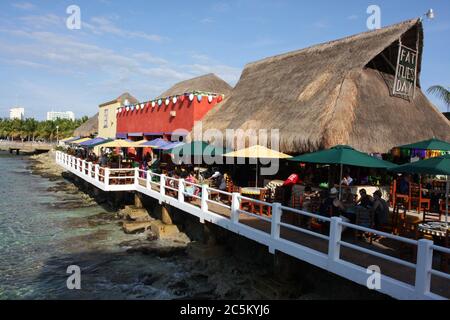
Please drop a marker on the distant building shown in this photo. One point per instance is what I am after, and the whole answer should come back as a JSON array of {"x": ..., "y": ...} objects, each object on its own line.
[
  {"x": 107, "y": 115},
  {"x": 53, "y": 115},
  {"x": 17, "y": 113}
]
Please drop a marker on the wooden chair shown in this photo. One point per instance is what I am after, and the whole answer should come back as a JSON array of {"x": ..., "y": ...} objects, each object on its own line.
[
  {"x": 246, "y": 204},
  {"x": 260, "y": 208}
]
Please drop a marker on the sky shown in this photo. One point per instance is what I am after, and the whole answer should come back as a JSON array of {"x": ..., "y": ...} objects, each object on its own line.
[{"x": 144, "y": 47}]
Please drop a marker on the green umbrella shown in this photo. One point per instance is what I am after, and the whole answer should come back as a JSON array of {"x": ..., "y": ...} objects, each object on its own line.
[
  {"x": 343, "y": 155},
  {"x": 197, "y": 148},
  {"x": 432, "y": 144},
  {"x": 433, "y": 166}
]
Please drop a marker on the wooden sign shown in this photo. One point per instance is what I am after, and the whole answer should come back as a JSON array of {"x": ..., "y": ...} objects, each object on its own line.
[{"x": 406, "y": 72}]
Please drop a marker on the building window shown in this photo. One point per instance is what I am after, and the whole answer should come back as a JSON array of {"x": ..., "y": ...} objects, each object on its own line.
[{"x": 105, "y": 118}]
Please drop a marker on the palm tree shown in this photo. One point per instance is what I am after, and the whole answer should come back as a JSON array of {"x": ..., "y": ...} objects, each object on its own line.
[{"x": 442, "y": 93}]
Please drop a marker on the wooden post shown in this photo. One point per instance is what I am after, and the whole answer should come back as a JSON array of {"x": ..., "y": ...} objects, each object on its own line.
[
  {"x": 181, "y": 190},
  {"x": 235, "y": 207},
  {"x": 334, "y": 248},
  {"x": 275, "y": 224},
  {"x": 423, "y": 267}
]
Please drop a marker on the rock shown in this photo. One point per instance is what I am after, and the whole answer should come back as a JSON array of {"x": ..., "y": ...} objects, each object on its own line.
[
  {"x": 135, "y": 214},
  {"x": 133, "y": 227},
  {"x": 164, "y": 231}
]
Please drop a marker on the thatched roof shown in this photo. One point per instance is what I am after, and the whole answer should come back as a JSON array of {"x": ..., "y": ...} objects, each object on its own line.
[
  {"x": 333, "y": 93},
  {"x": 121, "y": 99},
  {"x": 88, "y": 128},
  {"x": 206, "y": 83}
]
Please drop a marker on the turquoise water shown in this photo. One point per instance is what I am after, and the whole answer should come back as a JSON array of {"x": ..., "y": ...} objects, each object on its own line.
[{"x": 38, "y": 241}]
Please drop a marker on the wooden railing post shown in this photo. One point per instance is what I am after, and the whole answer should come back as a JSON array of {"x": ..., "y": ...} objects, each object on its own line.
[
  {"x": 205, "y": 196},
  {"x": 90, "y": 169},
  {"x": 162, "y": 185},
  {"x": 136, "y": 176},
  {"x": 149, "y": 179},
  {"x": 235, "y": 207},
  {"x": 106, "y": 177},
  {"x": 275, "y": 224},
  {"x": 423, "y": 267},
  {"x": 181, "y": 190},
  {"x": 334, "y": 248}
]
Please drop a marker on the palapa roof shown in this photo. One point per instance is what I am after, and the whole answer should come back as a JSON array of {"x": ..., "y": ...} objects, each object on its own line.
[
  {"x": 121, "y": 99},
  {"x": 332, "y": 94},
  {"x": 206, "y": 83},
  {"x": 88, "y": 128}
]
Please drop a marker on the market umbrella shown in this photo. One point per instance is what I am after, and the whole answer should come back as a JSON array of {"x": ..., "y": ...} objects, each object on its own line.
[
  {"x": 69, "y": 139},
  {"x": 119, "y": 143},
  {"x": 257, "y": 152},
  {"x": 343, "y": 155},
  {"x": 431, "y": 144},
  {"x": 432, "y": 166},
  {"x": 94, "y": 142},
  {"x": 80, "y": 140},
  {"x": 156, "y": 143},
  {"x": 196, "y": 148}
]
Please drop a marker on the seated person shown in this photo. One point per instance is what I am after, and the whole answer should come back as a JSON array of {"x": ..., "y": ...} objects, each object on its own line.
[
  {"x": 365, "y": 200},
  {"x": 380, "y": 209},
  {"x": 347, "y": 180},
  {"x": 348, "y": 198},
  {"x": 331, "y": 206}
]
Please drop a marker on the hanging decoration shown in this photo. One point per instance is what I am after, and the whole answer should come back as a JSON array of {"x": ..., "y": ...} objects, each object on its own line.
[
  {"x": 153, "y": 104},
  {"x": 174, "y": 100},
  {"x": 142, "y": 106},
  {"x": 182, "y": 97},
  {"x": 132, "y": 108},
  {"x": 191, "y": 97},
  {"x": 147, "y": 105},
  {"x": 128, "y": 109},
  {"x": 210, "y": 98},
  {"x": 159, "y": 102},
  {"x": 167, "y": 101},
  {"x": 219, "y": 98},
  {"x": 199, "y": 98}
]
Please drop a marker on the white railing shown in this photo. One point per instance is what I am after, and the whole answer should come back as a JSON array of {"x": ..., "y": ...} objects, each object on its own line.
[{"x": 173, "y": 192}]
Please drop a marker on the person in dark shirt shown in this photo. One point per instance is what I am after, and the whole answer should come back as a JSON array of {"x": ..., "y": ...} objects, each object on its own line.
[
  {"x": 330, "y": 207},
  {"x": 365, "y": 200}
]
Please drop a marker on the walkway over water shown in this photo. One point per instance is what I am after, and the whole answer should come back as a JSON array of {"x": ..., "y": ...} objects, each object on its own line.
[{"x": 407, "y": 268}]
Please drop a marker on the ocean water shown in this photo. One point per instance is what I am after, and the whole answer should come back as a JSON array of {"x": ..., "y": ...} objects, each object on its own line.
[{"x": 39, "y": 239}]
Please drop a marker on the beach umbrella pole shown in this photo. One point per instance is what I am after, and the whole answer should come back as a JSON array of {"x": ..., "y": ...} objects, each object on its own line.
[{"x": 446, "y": 199}]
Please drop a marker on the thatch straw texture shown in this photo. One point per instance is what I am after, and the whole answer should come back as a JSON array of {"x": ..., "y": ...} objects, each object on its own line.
[
  {"x": 333, "y": 93},
  {"x": 89, "y": 128},
  {"x": 206, "y": 83}
]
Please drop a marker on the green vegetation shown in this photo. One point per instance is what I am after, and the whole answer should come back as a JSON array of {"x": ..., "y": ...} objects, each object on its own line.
[
  {"x": 32, "y": 130},
  {"x": 442, "y": 93}
]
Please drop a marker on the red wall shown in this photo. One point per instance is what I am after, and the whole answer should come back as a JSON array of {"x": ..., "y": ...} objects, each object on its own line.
[{"x": 158, "y": 118}]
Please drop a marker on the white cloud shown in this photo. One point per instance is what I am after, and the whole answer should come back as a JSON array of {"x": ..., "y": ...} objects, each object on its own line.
[
  {"x": 207, "y": 20},
  {"x": 23, "y": 5},
  {"x": 43, "y": 21},
  {"x": 104, "y": 25}
]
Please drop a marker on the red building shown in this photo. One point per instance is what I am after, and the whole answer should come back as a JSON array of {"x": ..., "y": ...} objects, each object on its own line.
[{"x": 177, "y": 108}]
